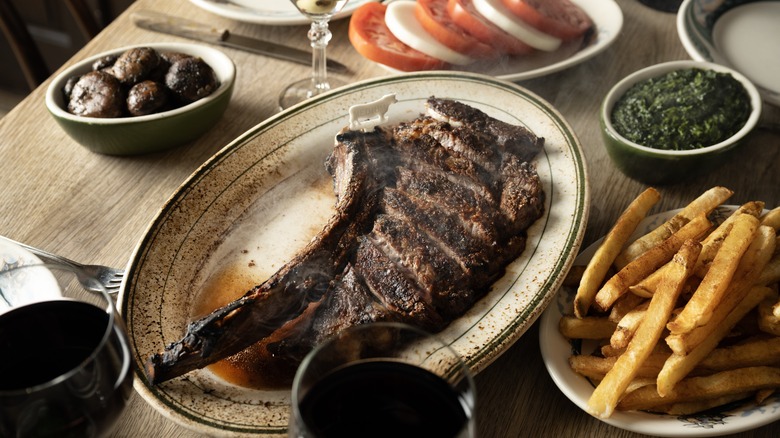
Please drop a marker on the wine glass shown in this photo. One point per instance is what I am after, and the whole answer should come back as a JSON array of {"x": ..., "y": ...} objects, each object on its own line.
[
  {"x": 319, "y": 12},
  {"x": 66, "y": 369},
  {"x": 382, "y": 380}
]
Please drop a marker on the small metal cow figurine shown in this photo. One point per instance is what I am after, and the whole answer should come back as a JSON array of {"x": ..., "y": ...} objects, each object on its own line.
[{"x": 368, "y": 115}]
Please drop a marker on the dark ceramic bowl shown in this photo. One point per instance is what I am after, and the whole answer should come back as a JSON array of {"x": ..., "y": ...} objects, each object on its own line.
[
  {"x": 657, "y": 166},
  {"x": 152, "y": 132}
]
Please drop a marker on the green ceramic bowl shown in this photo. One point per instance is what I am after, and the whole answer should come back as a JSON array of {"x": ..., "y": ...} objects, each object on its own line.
[
  {"x": 657, "y": 166},
  {"x": 153, "y": 132}
]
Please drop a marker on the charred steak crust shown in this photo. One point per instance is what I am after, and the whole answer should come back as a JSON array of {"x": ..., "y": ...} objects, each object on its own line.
[{"x": 429, "y": 213}]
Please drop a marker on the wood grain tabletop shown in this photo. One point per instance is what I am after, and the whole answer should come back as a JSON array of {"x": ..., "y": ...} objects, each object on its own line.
[{"x": 57, "y": 195}]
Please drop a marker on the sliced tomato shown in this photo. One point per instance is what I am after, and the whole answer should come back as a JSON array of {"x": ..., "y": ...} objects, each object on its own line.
[
  {"x": 466, "y": 16},
  {"x": 560, "y": 18},
  {"x": 401, "y": 21},
  {"x": 370, "y": 36},
  {"x": 434, "y": 18}
]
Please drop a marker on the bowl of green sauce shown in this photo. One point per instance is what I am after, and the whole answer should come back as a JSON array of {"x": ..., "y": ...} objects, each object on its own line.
[{"x": 673, "y": 121}]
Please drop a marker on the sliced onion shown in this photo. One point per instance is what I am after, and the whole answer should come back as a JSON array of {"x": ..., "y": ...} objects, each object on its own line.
[
  {"x": 498, "y": 14},
  {"x": 401, "y": 21}
]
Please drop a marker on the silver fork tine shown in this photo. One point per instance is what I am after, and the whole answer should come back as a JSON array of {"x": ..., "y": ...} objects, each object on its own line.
[{"x": 110, "y": 278}]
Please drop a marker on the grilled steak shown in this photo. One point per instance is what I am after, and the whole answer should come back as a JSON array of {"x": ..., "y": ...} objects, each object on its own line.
[{"x": 428, "y": 215}]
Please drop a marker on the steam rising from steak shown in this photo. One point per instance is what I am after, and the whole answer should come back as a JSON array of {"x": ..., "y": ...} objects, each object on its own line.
[{"x": 428, "y": 215}]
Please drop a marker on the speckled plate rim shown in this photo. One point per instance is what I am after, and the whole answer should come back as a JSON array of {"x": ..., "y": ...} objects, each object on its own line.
[
  {"x": 190, "y": 224},
  {"x": 285, "y": 15},
  {"x": 556, "y": 351}
]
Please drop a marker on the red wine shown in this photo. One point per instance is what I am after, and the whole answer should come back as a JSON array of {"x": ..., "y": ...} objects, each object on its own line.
[
  {"x": 62, "y": 345},
  {"x": 383, "y": 399}
]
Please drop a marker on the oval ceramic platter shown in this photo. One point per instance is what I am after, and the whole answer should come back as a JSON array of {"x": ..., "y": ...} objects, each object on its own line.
[
  {"x": 556, "y": 350},
  {"x": 267, "y": 12},
  {"x": 742, "y": 34},
  {"x": 608, "y": 21},
  {"x": 246, "y": 211}
]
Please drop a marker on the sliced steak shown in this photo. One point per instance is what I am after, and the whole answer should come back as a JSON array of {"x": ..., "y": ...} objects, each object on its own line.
[
  {"x": 434, "y": 270},
  {"x": 428, "y": 215},
  {"x": 395, "y": 287}
]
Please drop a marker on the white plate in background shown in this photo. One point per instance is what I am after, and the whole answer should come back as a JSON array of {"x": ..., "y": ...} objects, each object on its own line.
[
  {"x": 268, "y": 12},
  {"x": 741, "y": 34}
]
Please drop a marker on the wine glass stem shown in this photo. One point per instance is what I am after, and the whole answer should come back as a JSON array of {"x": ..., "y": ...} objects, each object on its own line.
[{"x": 319, "y": 35}]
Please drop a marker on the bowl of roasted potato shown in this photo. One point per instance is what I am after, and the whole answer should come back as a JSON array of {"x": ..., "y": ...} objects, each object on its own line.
[
  {"x": 672, "y": 121},
  {"x": 670, "y": 324},
  {"x": 142, "y": 99}
]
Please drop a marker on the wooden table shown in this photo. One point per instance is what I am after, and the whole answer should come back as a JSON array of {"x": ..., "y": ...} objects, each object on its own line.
[{"x": 94, "y": 208}]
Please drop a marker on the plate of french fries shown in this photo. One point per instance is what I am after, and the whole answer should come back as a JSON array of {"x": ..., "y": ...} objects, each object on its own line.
[{"x": 670, "y": 324}]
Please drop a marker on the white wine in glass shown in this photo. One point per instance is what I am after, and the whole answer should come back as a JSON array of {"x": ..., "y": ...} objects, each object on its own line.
[{"x": 320, "y": 13}]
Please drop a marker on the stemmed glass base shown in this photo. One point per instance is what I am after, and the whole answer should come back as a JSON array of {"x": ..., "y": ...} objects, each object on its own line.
[
  {"x": 318, "y": 82},
  {"x": 305, "y": 89}
]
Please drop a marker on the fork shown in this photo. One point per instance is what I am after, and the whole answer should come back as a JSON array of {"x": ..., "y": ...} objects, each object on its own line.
[{"x": 110, "y": 278}]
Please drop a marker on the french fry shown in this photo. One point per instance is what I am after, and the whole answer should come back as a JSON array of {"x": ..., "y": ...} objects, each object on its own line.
[
  {"x": 595, "y": 367},
  {"x": 710, "y": 246},
  {"x": 627, "y": 326},
  {"x": 763, "y": 394},
  {"x": 776, "y": 310},
  {"x": 613, "y": 243},
  {"x": 700, "y": 306},
  {"x": 623, "y": 305},
  {"x": 678, "y": 366},
  {"x": 741, "y": 380},
  {"x": 767, "y": 321},
  {"x": 590, "y": 327},
  {"x": 692, "y": 407},
  {"x": 639, "y": 382},
  {"x": 753, "y": 261},
  {"x": 712, "y": 243},
  {"x": 649, "y": 261},
  {"x": 771, "y": 272},
  {"x": 772, "y": 218},
  {"x": 608, "y": 350},
  {"x": 754, "y": 352},
  {"x": 606, "y": 395},
  {"x": 705, "y": 203}
]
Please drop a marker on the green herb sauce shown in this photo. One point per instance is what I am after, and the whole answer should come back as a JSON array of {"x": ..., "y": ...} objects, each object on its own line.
[{"x": 682, "y": 110}]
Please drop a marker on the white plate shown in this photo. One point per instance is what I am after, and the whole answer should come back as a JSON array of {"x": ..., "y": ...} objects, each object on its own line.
[
  {"x": 556, "y": 351},
  {"x": 266, "y": 194},
  {"x": 608, "y": 19},
  {"x": 25, "y": 286},
  {"x": 741, "y": 34},
  {"x": 269, "y": 12}
]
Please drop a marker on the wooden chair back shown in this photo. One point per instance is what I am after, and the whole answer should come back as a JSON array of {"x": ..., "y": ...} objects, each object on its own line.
[{"x": 23, "y": 45}]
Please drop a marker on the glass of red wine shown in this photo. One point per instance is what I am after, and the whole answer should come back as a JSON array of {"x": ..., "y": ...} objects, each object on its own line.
[
  {"x": 382, "y": 380},
  {"x": 66, "y": 369},
  {"x": 320, "y": 13}
]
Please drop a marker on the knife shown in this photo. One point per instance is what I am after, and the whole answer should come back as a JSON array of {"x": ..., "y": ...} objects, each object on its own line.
[{"x": 203, "y": 32}]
